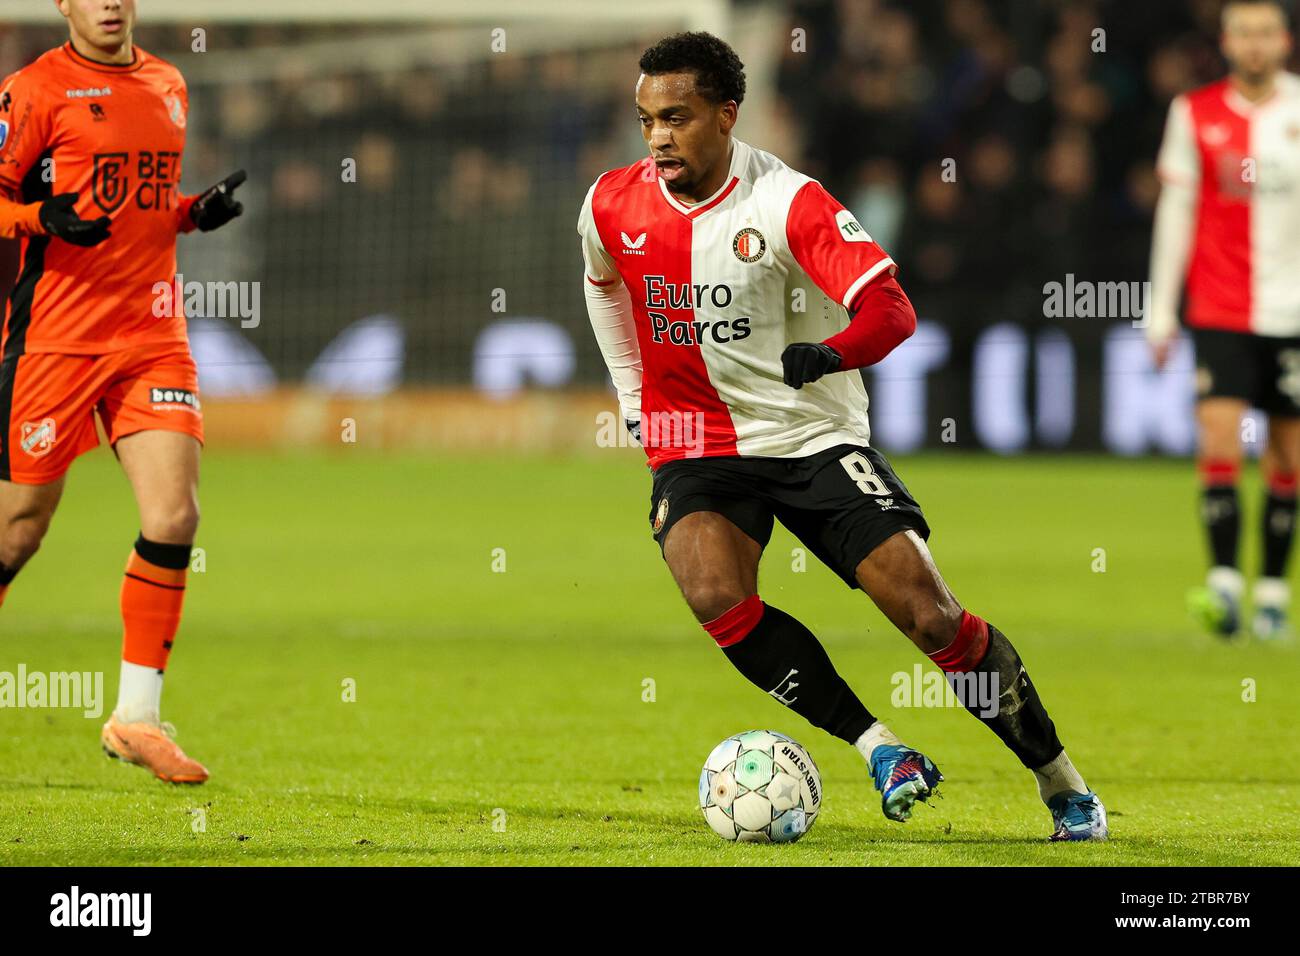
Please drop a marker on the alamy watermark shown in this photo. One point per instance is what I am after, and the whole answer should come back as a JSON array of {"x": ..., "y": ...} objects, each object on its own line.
[
  {"x": 973, "y": 690},
  {"x": 133, "y": 911},
  {"x": 76, "y": 689},
  {"x": 683, "y": 430},
  {"x": 213, "y": 300},
  {"x": 1083, "y": 299}
]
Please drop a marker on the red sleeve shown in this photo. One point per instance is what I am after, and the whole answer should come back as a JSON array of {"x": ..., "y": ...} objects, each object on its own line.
[
  {"x": 183, "y": 221},
  {"x": 883, "y": 318},
  {"x": 831, "y": 246},
  {"x": 24, "y": 131}
]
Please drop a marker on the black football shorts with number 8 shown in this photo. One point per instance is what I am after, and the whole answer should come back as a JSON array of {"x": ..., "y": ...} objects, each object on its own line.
[{"x": 840, "y": 503}]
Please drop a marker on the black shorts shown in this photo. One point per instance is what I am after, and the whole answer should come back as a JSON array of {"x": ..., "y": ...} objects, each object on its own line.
[
  {"x": 1259, "y": 369},
  {"x": 841, "y": 503}
]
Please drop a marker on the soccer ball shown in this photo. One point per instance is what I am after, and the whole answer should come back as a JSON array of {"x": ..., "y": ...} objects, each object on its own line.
[{"x": 760, "y": 787}]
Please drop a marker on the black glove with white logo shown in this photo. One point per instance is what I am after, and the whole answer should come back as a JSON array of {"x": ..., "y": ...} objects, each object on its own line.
[
  {"x": 217, "y": 206},
  {"x": 805, "y": 362},
  {"x": 634, "y": 429},
  {"x": 61, "y": 220}
]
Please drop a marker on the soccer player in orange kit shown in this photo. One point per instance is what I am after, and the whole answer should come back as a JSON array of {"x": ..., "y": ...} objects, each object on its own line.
[{"x": 91, "y": 136}]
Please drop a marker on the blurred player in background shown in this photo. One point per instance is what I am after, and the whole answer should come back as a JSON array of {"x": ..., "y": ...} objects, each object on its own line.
[
  {"x": 717, "y": 282},
  {"x": 1228, "y": 226},
  {"x": 91, "y": 136}
]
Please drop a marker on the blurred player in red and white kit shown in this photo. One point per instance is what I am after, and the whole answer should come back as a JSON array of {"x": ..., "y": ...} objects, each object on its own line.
[
  {"x": 733, "y": 298},
  {"x": 91, "y": 136},
  {"x": 1227, "y": 228}
]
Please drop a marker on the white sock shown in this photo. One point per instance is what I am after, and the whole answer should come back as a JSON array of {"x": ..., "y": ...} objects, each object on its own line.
[
  {"x": 1227, "y": 580},
  {"x": 139, "y": 694},
  {"x": 1272, "y": 593},
  {"x": 1058, "y": 776},
  {"x": 873, "y": 737}
]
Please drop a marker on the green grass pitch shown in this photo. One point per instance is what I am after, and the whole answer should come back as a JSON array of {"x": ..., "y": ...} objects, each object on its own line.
[{"x": 499, "y": 716}]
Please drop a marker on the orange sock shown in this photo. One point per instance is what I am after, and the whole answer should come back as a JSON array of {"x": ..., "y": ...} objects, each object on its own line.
[
  {"x": 152, "y": 594},
  {"x": 4, "y": 589}
]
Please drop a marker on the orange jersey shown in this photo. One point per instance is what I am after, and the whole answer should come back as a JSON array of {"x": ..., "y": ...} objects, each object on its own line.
[{"x": 113, "y": 134}]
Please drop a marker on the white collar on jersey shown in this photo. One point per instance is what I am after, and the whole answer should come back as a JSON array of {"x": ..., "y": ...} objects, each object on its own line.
[
  {"x": 1284, "y": 84},
  {"x": 738, "y": 150}
]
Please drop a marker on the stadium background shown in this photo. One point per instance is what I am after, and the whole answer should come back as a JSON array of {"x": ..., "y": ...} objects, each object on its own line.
[
  {"x": 451, "y": 262},
  {"x": 478, "y": 568}
]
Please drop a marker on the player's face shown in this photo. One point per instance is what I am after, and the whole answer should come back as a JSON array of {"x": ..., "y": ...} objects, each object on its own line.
[
  {"x": 103, "y": 24},
  {"x": 687, "y": 134},
  {"x": 1255, "y": 42}
]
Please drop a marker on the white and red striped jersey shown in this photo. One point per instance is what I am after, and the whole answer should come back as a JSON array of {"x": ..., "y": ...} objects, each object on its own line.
[
  {"x": 1241, "y": 162},
  {"x": 716, "y": 291}
]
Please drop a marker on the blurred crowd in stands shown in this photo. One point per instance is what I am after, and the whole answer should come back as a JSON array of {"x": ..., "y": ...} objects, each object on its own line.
[{"x": 990, "y": 147}]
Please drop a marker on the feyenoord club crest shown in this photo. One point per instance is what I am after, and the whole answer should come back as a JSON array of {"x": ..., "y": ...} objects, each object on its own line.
[
  {"x": 175, "y": 110},
  {"x": 749, "y": 245},
  {"x": 38, "y": 437},
  {"x": 661, "y": 515}
]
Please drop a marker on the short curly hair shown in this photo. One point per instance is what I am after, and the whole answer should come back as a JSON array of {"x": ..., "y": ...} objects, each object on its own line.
[{"x": 719, "y": 74}]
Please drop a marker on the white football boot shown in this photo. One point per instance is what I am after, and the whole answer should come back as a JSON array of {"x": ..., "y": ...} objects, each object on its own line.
[{"x": 1272, "y": 600}]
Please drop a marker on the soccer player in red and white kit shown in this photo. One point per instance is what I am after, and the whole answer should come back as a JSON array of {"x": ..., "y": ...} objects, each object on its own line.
[
  {"x": 91, "y": 136},
  {"x": 1227, "y": 228},
  {"x": 732, "y": 298}
]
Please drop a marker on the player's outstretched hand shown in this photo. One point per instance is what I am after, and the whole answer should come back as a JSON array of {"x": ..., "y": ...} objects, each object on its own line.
[
  {"x": 217, "y": 206},
  {"x": 61, "y": 220},
  {"x": 1160, "y": 352},
  {"x": 805, "y": 362}
]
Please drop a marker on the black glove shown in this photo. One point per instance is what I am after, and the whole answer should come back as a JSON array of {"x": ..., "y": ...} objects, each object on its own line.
[
  {"x": 805, "y": 362},
  {"x": 61, "y": 220},
  {"x": 217, "y": 206},
  {"x": 634, "y": 429}
]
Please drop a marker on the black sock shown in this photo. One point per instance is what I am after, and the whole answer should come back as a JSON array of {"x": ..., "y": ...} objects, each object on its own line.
[
  {"x": 1021, "y": 721},
  {"x": 7, "y": 575},
  {"x": 783, "y": 658},
  {"x": 1222, "y": 520},
  {"x": 173, "y": 556},
  {"x": 1279, "y": 528},
  {"x": 998, "y": 691}
]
